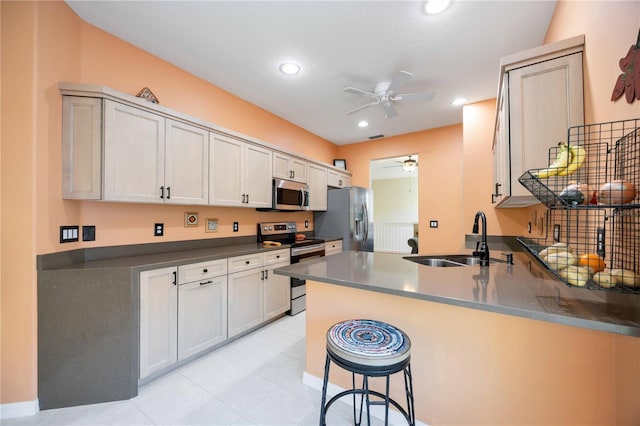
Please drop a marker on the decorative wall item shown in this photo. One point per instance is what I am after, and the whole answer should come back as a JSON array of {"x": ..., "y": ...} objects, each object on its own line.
[
  {"x": 191, "y": 219},
  {"x": 212, "y": 225},
  {"x": 146, "y": 94},
  {"x": 340, "y": 163},
  {"x": 629, "y": 81}
]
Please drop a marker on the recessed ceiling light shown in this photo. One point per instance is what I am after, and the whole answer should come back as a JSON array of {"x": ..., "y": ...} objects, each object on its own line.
[
  {"x": 459, "y": 101},
  {"x": 289, "y": 68},
  {"x": 362, "y": 123},
  {"x": 433, "y": 7}
]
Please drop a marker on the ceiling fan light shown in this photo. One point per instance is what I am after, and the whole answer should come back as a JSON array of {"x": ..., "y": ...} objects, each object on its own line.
[
  {"x": 433, "y": 7},
  {"x": 409, "y": 165}
]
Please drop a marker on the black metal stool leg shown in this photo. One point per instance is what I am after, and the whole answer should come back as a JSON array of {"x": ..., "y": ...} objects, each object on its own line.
[
  {"x": 323, "y": 413},
  {"x": 408, "y": 389}
]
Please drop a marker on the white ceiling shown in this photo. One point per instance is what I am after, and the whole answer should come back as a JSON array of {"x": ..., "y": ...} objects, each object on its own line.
[{"x": 238, "y": 46}]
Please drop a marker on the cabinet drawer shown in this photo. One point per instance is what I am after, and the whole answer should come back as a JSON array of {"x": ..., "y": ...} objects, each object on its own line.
[
  {"x": 243, "y": 263},
  {"x": 201, "y": 271},
  {"x": 276, "y": 256},
  {"x": 332, "y": 247}
]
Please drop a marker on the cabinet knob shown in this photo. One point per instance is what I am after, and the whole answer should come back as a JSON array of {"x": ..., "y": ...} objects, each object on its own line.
[
  {"x": 205, "y": 270},
  {"x": 247, "y": 262}
]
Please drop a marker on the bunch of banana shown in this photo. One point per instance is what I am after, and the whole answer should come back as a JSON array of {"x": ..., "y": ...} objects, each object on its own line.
[{"x": 568, "y": 160}]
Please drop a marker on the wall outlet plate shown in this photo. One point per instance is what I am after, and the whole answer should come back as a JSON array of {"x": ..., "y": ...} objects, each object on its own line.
[
  {"x": 433, "y": 224},
  {"x": 158, "y": 230},
  {"x": 236, "y": 227}
]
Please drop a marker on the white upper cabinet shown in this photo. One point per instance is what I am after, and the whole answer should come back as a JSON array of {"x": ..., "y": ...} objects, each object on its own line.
[
  {"x": 317, "y": 187},
  {"x": 336, "y": 179},
  {"x": 289, "y": 168},
  {"x": 186, "y": 164},
  {"x": 240, "y": 173},
  {"x": 541, "y": 96}
]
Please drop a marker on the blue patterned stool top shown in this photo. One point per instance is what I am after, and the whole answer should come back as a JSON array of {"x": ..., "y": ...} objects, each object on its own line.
[{"x": 368, "y": 342}]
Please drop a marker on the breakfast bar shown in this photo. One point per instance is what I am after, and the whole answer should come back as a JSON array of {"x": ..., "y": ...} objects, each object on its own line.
[{"x": 501, "y": 344}]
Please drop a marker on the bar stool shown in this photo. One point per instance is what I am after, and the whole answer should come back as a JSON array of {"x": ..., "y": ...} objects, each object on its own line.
[{"x": 372, "y": 349}]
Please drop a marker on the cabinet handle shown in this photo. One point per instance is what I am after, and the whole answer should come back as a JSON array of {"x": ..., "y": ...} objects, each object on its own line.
[
  {"x": 205, "y": 270},
  {"x": 246, "y": 262},
  {"x": 266, "y": 274},
  {"x": 278, "y": 256},
  {"x": 175, "y": 275},
  {"x": 262, "y": 275},
  {"x": 168, "y": 192},
  {"x": 496, "y": 194},
  {"x": 340, "y": 182},
  {"x": 206, "y": 282},
  {"x": 247, "y": 198},
  {"x": 162, "y": 192}
]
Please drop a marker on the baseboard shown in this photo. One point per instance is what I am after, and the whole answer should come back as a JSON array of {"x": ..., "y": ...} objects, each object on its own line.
[
  {"x": 395, "y": 417},
  {"x": 19, "y": 409}
]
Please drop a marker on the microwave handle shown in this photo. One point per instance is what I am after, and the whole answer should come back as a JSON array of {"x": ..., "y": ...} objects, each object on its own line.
[{"x": 301, "y": 198}]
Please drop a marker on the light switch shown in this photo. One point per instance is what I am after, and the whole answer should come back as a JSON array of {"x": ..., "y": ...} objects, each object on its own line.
[{"x": 69, "y": 233}]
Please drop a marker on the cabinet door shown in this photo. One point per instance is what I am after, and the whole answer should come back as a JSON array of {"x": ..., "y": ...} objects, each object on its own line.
[
  {"x": 277, "y": 292},
  {"x": 257, "y": 176},
  {"x": 81, "y": 148},
  {"x": 281, "y": 167},
  {"x": 545, "y": 99},
  {"x": 202, "y": 315},
  {"x": 158, "y": 320},
  {"x": 501, "y": 182},
  {"x": 226, "y": 171},
  {"x": 332, "y": 247},
  {"x": 187, "y": 164},
  {"x": 299, "y": 169},
  {"x": 338, "y": 180},
  {"x": 245, "y": 300},
  {"x": 317, "y": 187},
  {"x": 133, "y": 154}
]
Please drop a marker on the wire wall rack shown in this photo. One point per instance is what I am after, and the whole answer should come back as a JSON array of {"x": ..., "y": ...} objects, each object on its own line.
[{"x": 593, "y": 211}]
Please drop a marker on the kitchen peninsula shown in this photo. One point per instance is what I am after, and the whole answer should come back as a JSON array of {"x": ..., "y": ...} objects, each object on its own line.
[{"x": 503, "y": 344}]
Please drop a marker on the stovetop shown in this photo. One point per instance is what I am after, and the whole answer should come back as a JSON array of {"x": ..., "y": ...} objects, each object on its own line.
[{"x": 285, "y": 233}]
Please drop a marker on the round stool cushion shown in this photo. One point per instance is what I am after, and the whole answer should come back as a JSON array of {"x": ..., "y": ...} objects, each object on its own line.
[{"x": 368, "y": 342}]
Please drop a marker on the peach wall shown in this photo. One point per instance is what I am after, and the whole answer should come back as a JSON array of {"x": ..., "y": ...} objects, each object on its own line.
[
  {"x": 18, "y": 350},
  {"x": 473, "y": 367},
  {"x": 439, "y": 180}
]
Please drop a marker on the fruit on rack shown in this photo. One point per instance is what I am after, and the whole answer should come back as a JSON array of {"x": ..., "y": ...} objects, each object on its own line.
[
  {"x": 617, "y": 192},
  {"x": 578, "y": 191},
  {"x": 626, "y": 277},
  {"x": 576, "y": 275},
  {"x": 592, "y": 260},
  {"x": 555, "y": 248},
  {"x": 560, "y": 260},
  {"x": 605, "y": 279},
  {"x": 577, "y": 155},
  {"x": 561, "y": 162}
]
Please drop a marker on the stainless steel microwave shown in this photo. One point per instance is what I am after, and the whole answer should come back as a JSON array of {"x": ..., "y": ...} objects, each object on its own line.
[{"x": 288, "y": 195}]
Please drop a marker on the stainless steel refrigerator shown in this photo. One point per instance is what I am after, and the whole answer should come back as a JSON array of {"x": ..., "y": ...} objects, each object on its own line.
[{"x": 349, "y": 215}]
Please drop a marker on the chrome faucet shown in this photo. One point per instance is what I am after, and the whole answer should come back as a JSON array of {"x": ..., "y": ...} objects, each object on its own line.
[{"x": 482, "y": 249}]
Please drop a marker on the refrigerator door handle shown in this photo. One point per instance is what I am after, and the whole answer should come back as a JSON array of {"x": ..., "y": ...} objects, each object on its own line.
[{"x": 366, "y": 223}]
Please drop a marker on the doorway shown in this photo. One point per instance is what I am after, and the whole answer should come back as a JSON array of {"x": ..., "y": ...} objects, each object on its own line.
[{"x": 394, "y": 182}]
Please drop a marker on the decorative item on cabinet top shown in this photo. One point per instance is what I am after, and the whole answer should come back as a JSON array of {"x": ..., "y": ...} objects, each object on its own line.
[
  {"x": 593, "y": 221},
  {"x": 146, "y": 94},
  {"x": 340, "y": 163}
]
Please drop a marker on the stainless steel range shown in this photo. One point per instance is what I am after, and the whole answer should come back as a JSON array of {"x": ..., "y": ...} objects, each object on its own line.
[{"x": 302, "y": 250}]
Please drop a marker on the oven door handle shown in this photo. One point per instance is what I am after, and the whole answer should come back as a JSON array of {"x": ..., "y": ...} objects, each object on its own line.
[{"x": 297, "y": 251}]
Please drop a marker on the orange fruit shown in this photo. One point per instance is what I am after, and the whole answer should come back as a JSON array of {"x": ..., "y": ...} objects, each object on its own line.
[{"x": 592, "y": 260}]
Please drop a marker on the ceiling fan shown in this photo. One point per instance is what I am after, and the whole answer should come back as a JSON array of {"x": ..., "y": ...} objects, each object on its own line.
[
  {"x": 408, "y": 165},
  {"x": 386, "y": 93}
]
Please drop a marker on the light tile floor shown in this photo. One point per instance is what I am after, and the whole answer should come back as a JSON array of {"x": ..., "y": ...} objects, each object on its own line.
[{"x": 256, "y": 380}]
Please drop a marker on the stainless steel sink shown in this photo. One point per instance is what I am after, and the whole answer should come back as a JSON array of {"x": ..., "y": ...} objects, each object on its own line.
[{"x": 448, "y": 260}]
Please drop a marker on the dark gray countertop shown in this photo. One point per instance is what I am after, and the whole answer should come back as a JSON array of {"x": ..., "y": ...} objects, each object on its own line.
[
  {"x": 524, "y": 289},
  {"x": 172, "y": 258}
]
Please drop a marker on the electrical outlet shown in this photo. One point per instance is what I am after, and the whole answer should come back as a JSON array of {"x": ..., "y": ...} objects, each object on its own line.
[
  {"x": 433, "y": 224},
  {"x": 306, "y": 223},
  {"x": 69, "y": 233},
  {"x": 158, "y": 230},
  {"x": 89, "y": 233},
  {"x": 235, "y": 226}
]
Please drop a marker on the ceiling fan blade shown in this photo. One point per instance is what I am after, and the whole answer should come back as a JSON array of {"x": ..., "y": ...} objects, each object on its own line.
[
  {"x": 421, "y": 96},
  {"x": 362, "y": 107},
  {"x": 360, "y": 92},
  {"x": 399, "y": 81},
  {"x": 389, "y": 110}
]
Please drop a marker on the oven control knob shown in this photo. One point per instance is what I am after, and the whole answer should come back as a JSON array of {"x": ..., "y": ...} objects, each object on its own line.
[{"x": 270, "y": 228}]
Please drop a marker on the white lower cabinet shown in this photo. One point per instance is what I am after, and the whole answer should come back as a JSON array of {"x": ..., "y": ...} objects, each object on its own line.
[
  {"x": 332, "y": 247},
  {"x": 202, "y": 308},
  {"x": 245, "y": 298},
  {"x": 158, "y": 320},
  {"x": 277, "y": 292}
]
